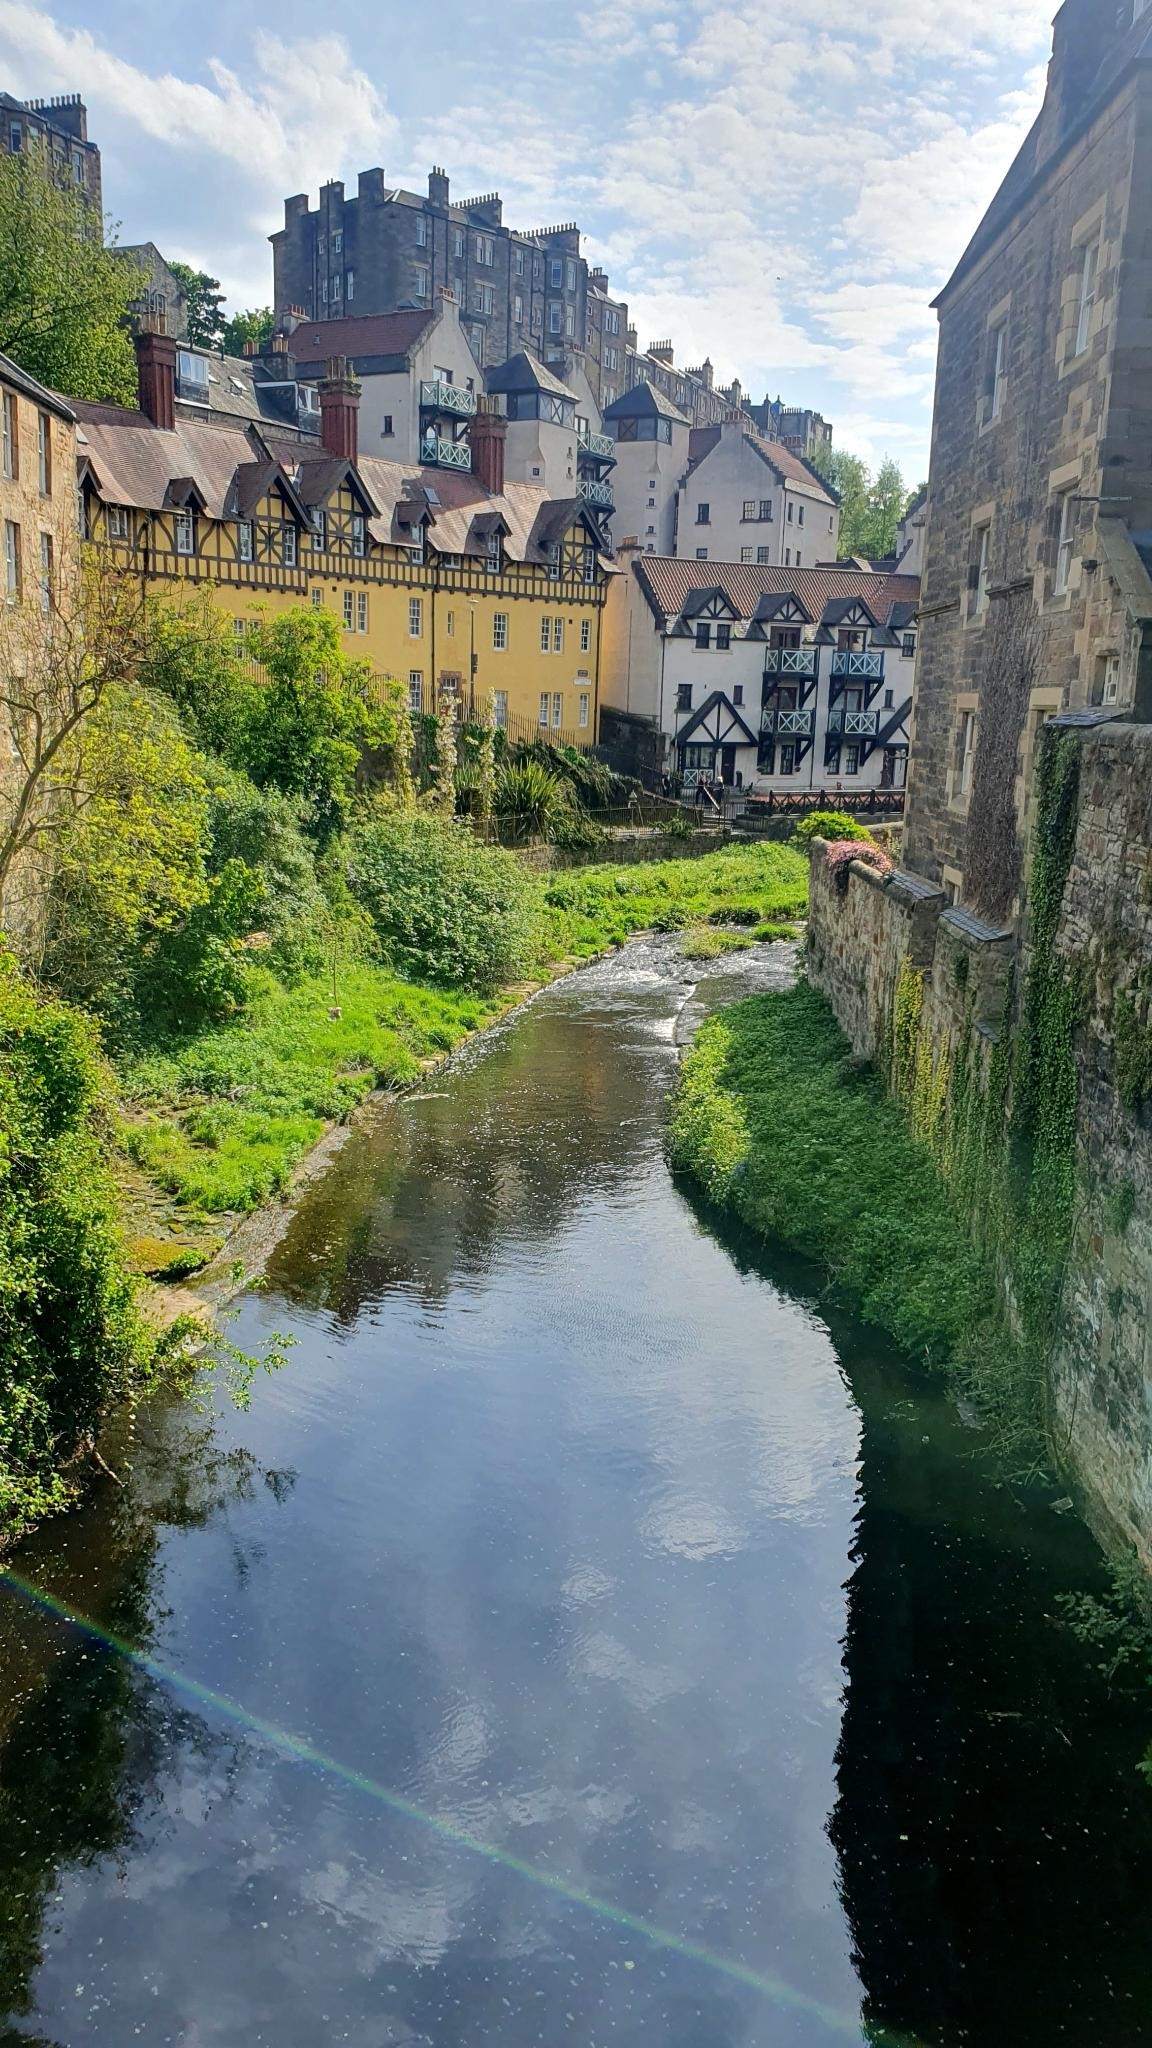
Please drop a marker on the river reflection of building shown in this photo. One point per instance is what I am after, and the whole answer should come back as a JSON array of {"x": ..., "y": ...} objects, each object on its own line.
[{"x": 994, "y": 1838}]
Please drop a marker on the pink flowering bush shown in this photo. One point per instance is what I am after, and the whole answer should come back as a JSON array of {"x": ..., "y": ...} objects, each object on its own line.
[{"x": 842, "y": 852}]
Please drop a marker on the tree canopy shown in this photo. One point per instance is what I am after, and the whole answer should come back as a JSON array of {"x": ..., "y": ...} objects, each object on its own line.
[
  {"x": 205, "y": 305},
  {"x": 64, "y": 295},
  {"x": 871, "y": 507},
  {"x": 255, "y": 325}
]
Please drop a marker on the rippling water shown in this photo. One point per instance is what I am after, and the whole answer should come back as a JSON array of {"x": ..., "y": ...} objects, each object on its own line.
[{"x": 580, "y": 1641}]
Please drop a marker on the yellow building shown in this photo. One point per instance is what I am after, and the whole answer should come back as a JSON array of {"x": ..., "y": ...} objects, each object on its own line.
[{"x": 448, "y": 580}]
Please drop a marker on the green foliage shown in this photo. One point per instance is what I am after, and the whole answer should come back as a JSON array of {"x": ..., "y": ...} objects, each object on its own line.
[
  {"x": 255, "y": 325},
  {"x": 445, "y": 908},
  {"x": 70, "y": 1340},
  {"x": 1132, "y": 1041},
  {"x": 871, "y": 507},
  {"x": 204, "y": 305},
  {"x": 1117, "y": 1624},
  {"x": 594, "y": 907},
  {"x": 526, "y": 789},
  {"x": 830, "y": 825},
  {"x": 64, "y": 295}
]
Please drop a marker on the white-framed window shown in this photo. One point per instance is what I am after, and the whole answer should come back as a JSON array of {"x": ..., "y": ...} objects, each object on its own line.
[
  {"x": 545, "y": 706},
  {"x": 749, "y": 511},
  {"x": 557, "y": 636},
  {"x": 350, "y": 286},
  {"x": 358, "y": 531},
  {"x": 44, "y": 454},
  {"x": 980, "y": 579},
  {"x": 485, "y": 251},
  {"x": 11, "y": 561},
  {"x": 585, "y": 636},
  {"x": 557, "y": 709},
  {"x": 518, "y": 262},
  {"x": 420, "y": 280},
  {"x": 317, "y": 597},
  {"x": 500, "y": 631},
  {"x": 243, "y": 539},
  {"x": 967, "y": 752},
  {"x": 421, "y": 232},
  {"x": 319, "y": 530},
  {"x": 546, "y": 634},
  {"x": 500, "y": 707},
  {"x": 569, "y": 320},
  {"x": 582, "y": 710},
  {"x": 45, "y": 572},
  {"x": 8, "y": 456},
  {"x": 349, "y": 604},
  {"x": 556, "y": 274},
  {"x": 337, "y": 283},
  {"x": 610, "y": 363},
  {"x": 323, "y": 291},
  {"x": 763, "y": 554},
  {"x": 361, "y": 611},
  {"x": 997, "y": 370},
  {"x": 185, "y": 533},
  {"x": 495, "y": 554},
  {"x": 745, "y": 554},
  {"x": 570, "y": 278},
  {"x": 554, "y": 559},
  {"x": 1110, "y": 679},
  {"x": 337, "y": 241},
  {"x": 117, "y": 522},
  {"x": 518, "y": 310},
  {"x": 458, "y": 241},
  {"x": 1065, "y": 543},
  {"x": 908, "y": 645},
  {"x": 589, "y": 564},
  {"x": 555, "y": 316},
  {"x": 415, "y": 618},
  {"x": 415, "y": 689},
  {"x": 16, "y": 137},
  {"x": 1089, "y": 276},
  {"x": 288, "y": 547}
]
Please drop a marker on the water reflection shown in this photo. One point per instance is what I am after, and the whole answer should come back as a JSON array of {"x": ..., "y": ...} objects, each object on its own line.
[{"x": 564, "y": 1527}]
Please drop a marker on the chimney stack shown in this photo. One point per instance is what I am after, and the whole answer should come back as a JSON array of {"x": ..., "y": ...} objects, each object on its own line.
[
  {"x": 340, "y": 410},
  {"x": 156, "y": 376},
  {"x": 438, "y": 186},
  {"x": 489, "y": 433}
]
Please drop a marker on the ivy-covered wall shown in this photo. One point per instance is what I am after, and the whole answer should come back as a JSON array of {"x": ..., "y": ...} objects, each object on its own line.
[{"x": 1027, "y": 1068}]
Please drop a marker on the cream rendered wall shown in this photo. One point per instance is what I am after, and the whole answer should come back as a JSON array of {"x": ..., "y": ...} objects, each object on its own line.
[
  {"x": 734, "y": 473},
  {"x": 631, "y": 648},
  {"x": 644, "y": 470},
  {"x": 445, "y": 346},
  {"x": 537, "y": 452}
]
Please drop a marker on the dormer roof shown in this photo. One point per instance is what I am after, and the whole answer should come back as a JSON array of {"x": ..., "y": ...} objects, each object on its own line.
[{"x": 644, "y": 401}]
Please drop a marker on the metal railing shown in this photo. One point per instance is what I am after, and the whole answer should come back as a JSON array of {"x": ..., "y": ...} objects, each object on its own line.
[
  {"x": 846, "y": 666},
  {"x": 791, "y": 661},
  {"x": 446, "y": 454},
  {"x": 852, "y": 725},
  {"x": 596, "y": 493},
  {"x": 436, "y": 396},
  {"x": 602, "y": 446}
]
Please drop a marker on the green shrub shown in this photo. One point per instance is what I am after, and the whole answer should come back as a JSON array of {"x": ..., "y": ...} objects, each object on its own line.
[
  {"x": 830, "y": 825},
  {"x": 445, "y": 908}
]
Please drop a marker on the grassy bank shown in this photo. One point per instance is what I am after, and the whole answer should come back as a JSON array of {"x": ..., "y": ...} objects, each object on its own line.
[
  {"x": 777, "y": 1123},
  {"x": 216, "y": 1120}
]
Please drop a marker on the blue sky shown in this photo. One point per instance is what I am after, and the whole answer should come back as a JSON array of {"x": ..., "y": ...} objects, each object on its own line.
[{"x": 779, "y": 184}]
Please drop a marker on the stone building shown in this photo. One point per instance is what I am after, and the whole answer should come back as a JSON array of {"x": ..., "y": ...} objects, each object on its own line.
[
  {"x": 161, "y": 304},
  {"x": 60, "y": 126},
  {"x": 803, "y": 432}
]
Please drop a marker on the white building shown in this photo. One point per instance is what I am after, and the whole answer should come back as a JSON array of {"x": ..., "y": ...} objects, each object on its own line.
[
  {"x": 651, "y": 438},
  {"x": 764, "y": 678},
  {"x": 744, "y": 499},
  {"x": 419, "y": 378}
]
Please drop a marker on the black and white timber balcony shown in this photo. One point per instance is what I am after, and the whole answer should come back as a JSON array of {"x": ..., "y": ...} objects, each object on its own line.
[
  {"x": 852, "y": 725},
  {"x": 780, "y": 662},
  {"x": 437, "y": 453},
  {"x": 436, "y": 396},
  {"x": 597, "y": 493},
  {"x": 792, "y": 723},
  {"x": 864, "y": 667}
]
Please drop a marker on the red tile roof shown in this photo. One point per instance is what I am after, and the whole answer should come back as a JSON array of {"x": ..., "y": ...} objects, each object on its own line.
[
  {"x": 369, "y": 334},
  {"x": 667, "y": 579}
]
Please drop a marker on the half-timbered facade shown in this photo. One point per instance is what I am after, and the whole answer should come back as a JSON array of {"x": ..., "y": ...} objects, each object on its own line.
[
  {"x": 446, "y": 586},
  {"x": 758, "y": 678}
]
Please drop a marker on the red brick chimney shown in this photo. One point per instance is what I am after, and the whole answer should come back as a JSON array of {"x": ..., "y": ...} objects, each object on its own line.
[
  {"x": 340, "y": 410},
  {"x": 488, "y": 435},
  {"x": 156, "y": 377}
]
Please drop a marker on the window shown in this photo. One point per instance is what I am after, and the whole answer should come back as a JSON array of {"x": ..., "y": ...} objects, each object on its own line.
[
  {"x": 788, "y": 759},
  {"x": 889, "y": 699},
  {"x": 386, "y": 430},
  {"x": 545, "y": 635},
  {"x": 569, "y": 320},
  {"x": 557, "y": 636},
  {"x": 324, "y": 291},
  {"x": 483, "y": 298},
  {"x": 500, "y": 707},
  {"x": 611, "y": 360},
  {"x": 556, "y": 274},
  {"x": 723, "y": 639},
  {"x": 361, "y": 611},
  {"x": 185, "y": 533},
  {"x": 585, "y": 636},
  {"x": 9, "y": 465},
  {"x": 979, "y": 572},
  {"x": 967, "y": 752},
  {"x": 908, "y": 646},
  {"x": 766, "y": 509},
  {"x": 518, "y": 261},
  {"x": 762, "y": 554},
  {"x": 415, "y": 689},
  {"x": 799, "y": 564},
  {"x": 1088, "y": 279},
  {"x": 1065, "y": 543},
  {"x": 319, "y": 529},
  {"x": 588, "y": 564},
  {"x": 358, "y": 531},
  {"x": 243, "y": 539},
  {"x": 421, "y": 232},
  {"x": 545, "y": 704},
  {"x": 684, "y": 697},
  {"x": 701, "y": 554},
  {"x": 749, "y": 511},
  {"x": 582, "y": 712},
  {"x": 518, "y": 310},
  {"x": 791, "y": 510},
  {"x": 570, "y": 277},
  {"x": 553, "y": 570},
  {"x": 11, "y": 561},
  {"x": 787, "y": 558},
  {"x": 44, "y": 454},
  {"x": 485, "y": 251},
  {"x": 336, "y": 281},
  {"x": 997, "y": 377},
  {"x": 555, "y": 316},
  {"x": 349, "y": 611},
  {"x": 557, "y": 710},
  {"x": 458, "y": 242},
  {"x": 45, "y": 572},
  {"x": 852, "y": 758},
  {"x": 16, "y": 137},
  {"x": 703, "y": 515},
  {"x": 500, "y": 631},
  {"x": 317, "y": 596},
  {"x": 415, "y": 617},
  {"x": 450, "y": 624},
  {"x": 704, "y": 635},
  {"x": 191, "y": 375},
  {"x": 420, "y": 281},
  {"x": 495, "y": 554},
  {"x": 288, "y": 543},
  {"x": 350, "y": 285},
  {"x": 1108, "y": 683},
  {"x": 337, "y": 241},
  {"x": 745, "y": 554}
]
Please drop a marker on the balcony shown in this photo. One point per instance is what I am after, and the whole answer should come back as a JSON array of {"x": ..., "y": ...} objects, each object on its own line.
[
  {"x": 855, "y": 668},
  {"x": 596, "y": 493},
  {"x": 439, "y": 397},
  {"x": 791, "y": 661},
  {"x": 601, "y": 446},
  {"x": 852, "y": 725},
  {"x": 793, "y": 724},
  {"x": 446, "y": 454}
]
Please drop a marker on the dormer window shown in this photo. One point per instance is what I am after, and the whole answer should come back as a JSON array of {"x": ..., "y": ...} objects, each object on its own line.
[
  {"x": 191, "y": 376},
  {"x": 358, "y": 533},
  {"x": 495, "y": 554},
  {"x": 554, "y": 562},
  {"x": 288, "y": 544},
  {"x": 244, "y": 540},
  {"x": 185, "y": 533}
]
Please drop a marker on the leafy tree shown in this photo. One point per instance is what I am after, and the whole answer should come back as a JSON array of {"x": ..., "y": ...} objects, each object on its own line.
[
  {"x": 64, "y": 296},
  {"x": 445, "y": 908},
  {"x": 204, "y": 303},
  {"x": 871, "y": 507},
  {"x": 315, "y": 719},
  {"x": 887, "y": 499},
  {"x": 255, "y": 325}
]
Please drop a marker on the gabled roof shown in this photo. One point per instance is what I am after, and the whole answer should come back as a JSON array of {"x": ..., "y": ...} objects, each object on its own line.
[
  {"x": 523, "y": 373},
  {"x": 317, "y": 481},
  {"x": 707, "y": 600},
  {"x": 716, "y": 701},
  {"x": 132, "y": 462},
  {"x": 254, "y": 480},
  {"x": 666, "y": 580},
  {"x": 848, "y": 610},
  {"x": 901, "y": 616},
  {"x": 19, "y": 380},
  {"x": 789, "y": 469},
  {"x": 644, "y": 401},
  {"x": 781, "y": 604},
  {"x": 374, "y": 339}
]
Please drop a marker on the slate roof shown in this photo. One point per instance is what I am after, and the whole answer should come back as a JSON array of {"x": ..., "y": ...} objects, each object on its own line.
[
  {"x": 791, "y": 469},
  {"x": 367, "y": 337},
  {"x": 666, "y": 581},
  {"x": 19, "y": 380},
  {"x": 134, "y": 463},
  {"x": 523, "y": 373},
  {"x": 643, "y": 402}
]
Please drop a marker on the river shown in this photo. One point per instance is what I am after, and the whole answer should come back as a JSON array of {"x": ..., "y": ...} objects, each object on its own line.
[{"x": 587, "y": 1637}]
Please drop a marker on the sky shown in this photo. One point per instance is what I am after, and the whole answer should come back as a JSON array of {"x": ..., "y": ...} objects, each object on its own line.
[{"x": 779, "y": 185}]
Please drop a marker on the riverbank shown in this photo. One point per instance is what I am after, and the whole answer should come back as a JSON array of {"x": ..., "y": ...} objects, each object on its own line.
[{"x": 780, "y": 1127}]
